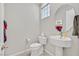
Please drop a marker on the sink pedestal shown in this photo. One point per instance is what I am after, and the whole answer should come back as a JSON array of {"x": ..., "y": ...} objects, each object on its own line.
[{"x": 60, "y": 43}]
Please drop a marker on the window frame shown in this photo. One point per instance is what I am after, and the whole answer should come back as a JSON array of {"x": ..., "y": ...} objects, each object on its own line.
[{"x": 45, "y": 10}]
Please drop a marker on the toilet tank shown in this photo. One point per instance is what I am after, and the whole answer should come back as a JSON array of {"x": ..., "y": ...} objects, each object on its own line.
[{"x": 42, "y": 39}]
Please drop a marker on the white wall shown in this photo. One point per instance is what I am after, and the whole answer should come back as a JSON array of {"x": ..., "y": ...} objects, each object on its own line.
[
  {"x": 0, "y": 21},
  {"x": 48, "y": 26},
  {"x": 1, "y": 27},
  {"x": 23, "y": 22}
]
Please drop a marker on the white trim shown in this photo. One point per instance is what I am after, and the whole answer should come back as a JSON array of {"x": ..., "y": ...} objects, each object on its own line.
[
  {"x": 49, "y": 53},
  {"x": 43, "y": 5},
  {"x": 20, "y": 52},
  {"x": 28, "y": 50},
  {"x": 45, "y": 11}
]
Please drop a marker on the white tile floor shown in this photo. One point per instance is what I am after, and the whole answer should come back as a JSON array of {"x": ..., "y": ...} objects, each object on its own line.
[{"x": 45, "y": 54}]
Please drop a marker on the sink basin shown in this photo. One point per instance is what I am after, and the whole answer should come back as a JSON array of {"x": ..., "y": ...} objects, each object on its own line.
[{"x": 60, "y": 42}]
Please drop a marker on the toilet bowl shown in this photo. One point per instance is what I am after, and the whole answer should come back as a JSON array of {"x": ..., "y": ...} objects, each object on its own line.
[{"x": 38, "y": 48}]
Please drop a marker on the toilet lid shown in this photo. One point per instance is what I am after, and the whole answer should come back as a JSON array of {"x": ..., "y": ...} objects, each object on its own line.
[{"x": 35, "y": 45}]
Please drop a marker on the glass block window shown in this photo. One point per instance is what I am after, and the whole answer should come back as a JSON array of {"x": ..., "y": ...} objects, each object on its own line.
[{"x": 45, "y": 10}]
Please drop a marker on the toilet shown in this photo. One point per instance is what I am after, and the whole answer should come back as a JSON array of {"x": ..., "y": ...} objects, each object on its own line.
[{"x": 38, "y": 48}]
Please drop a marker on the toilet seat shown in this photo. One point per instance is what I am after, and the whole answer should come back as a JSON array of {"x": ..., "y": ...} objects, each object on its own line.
[{"x": 35, "y": 45}]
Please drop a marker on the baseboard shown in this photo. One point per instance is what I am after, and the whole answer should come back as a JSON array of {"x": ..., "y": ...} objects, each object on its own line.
[
  {"x": 27, "y": 51},
  {"x": 20, "y": 53},
  {"x": 49, "y": 53}
]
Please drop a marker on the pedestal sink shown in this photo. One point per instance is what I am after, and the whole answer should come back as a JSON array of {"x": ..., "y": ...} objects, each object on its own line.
[{"x": 60, "y": 43}]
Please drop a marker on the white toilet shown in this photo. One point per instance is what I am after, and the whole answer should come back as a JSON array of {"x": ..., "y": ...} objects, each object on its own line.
[{"x": 37, "y": 48}]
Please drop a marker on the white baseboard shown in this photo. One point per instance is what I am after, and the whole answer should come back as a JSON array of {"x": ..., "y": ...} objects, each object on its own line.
[
  {"x": 21, "y": 52},
  {"x": 49, "y": 53},
  {"x": 27, "y": 51}
]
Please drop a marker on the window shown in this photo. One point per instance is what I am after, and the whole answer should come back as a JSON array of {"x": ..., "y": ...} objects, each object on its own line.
[{"x": 45, "y": 10}]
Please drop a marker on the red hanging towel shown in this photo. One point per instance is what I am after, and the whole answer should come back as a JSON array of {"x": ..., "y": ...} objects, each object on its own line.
[{"x": 5, "y": 28}]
